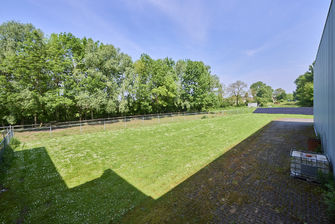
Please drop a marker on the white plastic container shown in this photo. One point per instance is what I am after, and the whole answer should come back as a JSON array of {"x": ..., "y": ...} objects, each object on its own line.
[{"x": 308, "y": 165}]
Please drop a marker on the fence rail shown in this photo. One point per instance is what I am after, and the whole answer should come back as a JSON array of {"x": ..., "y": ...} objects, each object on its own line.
[
  {"x": 5, "y": 141},
  {"x": 103, "y": 121}
]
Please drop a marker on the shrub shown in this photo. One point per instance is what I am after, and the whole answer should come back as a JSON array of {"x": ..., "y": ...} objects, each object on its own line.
[
  {"x": 14, "y": 142},
  {"x": 328, "y": 183},
  {"x": 329, "y": 197}
]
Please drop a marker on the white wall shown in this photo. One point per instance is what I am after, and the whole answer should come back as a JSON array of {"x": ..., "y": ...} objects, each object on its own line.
[{"x": 324, "y": 87}]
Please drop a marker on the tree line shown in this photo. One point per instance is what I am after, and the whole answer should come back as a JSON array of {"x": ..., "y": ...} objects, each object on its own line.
[{"x": 62, "y": 77}]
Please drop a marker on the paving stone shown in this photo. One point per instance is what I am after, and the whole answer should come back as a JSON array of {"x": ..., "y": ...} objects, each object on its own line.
[{"x": 273, "y": 196}]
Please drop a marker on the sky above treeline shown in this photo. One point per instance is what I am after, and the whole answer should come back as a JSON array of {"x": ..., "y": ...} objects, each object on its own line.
[{"x": 250, "y": 40}]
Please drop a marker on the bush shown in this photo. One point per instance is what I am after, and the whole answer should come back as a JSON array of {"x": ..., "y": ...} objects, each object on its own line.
[
  {"x": 14, "y": 142},
  {"x": 328, "y": 183},
  {"x": 329, "y": 197}
]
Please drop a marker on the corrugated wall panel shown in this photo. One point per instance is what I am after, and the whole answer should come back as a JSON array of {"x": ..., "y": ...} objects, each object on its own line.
[{"x": 324, "y": 87}]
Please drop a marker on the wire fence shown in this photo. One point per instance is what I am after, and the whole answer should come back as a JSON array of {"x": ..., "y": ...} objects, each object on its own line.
[
  {"x": 7, "y": 136},
  {"x": 34, "y": 131}
]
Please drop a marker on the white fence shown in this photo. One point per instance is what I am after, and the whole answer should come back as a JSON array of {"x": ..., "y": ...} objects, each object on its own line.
[
  {"x": 5, "y": 141},
  {"x": 104, "y": 121}
]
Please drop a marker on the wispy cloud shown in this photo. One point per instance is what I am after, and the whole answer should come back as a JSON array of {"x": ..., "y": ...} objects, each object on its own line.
[
  {"x": 270, "y": 43},
  {"x": 106, "y": 25},
  {"x": 84, "y": 15},
  {"x": 190, "y": 16},
  {"x": 252, "y": 52}
]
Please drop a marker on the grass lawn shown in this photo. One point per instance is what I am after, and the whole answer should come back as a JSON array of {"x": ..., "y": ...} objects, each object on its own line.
[{"x": 97, "y": 177}]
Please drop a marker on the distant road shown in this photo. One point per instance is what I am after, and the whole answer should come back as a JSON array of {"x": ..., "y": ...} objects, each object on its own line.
[{"x": 285, "y": 110}]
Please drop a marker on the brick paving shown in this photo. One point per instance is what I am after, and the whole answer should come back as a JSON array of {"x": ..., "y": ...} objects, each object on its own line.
[
  {"x": 273, "y": 196},
  {"x": 248, "y": 184}
]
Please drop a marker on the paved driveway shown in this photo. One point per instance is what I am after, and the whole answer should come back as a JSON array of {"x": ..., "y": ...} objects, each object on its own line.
[{"x": 248, "y": 184}]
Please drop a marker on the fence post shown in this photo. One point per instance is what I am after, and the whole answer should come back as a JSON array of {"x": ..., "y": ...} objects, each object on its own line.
[
  {"x": 50, "y": 130},
  {"x": 80, "y": 126},
  {"x": 104, "y": 125},
  {"x": 3, "y": 138}
]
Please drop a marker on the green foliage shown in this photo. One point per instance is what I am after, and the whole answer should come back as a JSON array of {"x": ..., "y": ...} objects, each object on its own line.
[
  {"x": 329, "y": 197},
  {"x": 237, "y": 91},
  {"x": 262, "y": 93},
  {"x": 280, "y": 95},
  {"x": 289, "y": 97},
  {"x": 304, "y": 91},
  {"x": 14, "y": 142},
  {"x": 328, "y": 183},
  {"x": 63, "y": 77}
]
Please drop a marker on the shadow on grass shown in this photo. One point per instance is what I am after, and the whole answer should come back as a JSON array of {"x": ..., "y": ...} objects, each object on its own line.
[
  {"x": 37, "y": 193},
  {"x": 249, "y": 182}
]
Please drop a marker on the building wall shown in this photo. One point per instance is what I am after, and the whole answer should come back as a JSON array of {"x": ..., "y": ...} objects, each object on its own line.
[{"x": 324, "y": 87}]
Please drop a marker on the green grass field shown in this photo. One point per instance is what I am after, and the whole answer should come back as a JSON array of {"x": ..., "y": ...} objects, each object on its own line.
[{"x": 97, "y": 177}]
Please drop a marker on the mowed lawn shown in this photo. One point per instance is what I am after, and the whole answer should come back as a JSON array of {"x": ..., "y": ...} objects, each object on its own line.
[{"x": 99, "y": 177}]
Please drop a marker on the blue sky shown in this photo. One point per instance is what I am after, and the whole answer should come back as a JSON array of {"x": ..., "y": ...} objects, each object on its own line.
[{"x": 250, "y": 40}]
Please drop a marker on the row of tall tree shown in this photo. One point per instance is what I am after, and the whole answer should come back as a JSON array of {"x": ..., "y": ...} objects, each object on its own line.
[{"x": 63, "y": 77}]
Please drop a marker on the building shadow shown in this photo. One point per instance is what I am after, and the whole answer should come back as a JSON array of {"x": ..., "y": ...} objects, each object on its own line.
[
  {"x": 249, "y": 182},
  {"x": 39, "y": 194}
]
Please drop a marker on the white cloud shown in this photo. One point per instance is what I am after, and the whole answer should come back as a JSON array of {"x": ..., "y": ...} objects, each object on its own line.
[{"x": 265, "y": 46}]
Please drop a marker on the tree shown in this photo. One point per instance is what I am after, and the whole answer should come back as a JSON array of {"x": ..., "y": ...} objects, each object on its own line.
[
  {"x": 261, "y": 92},
  {"x": 23, "y": 68},
  {"x": 255, "y": 87},
  {"x": 143, "y": 84},
  {"x": 12, "y": 36},
  {"x": 197, "y": 85},
  {"x": 279, "y": 94},
  {"x": 289, "y": 96},
  {"x": 304, "y": 89},
  {"x": 237, "y": 90},
  {"x": 62, "y": 77}
]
